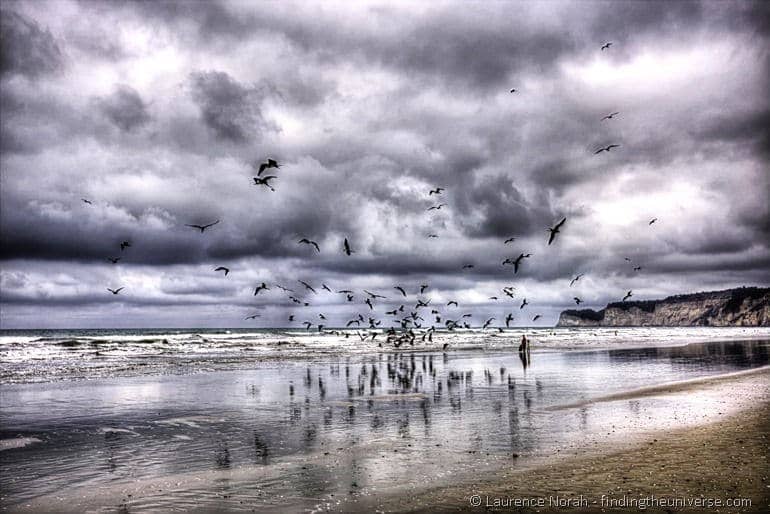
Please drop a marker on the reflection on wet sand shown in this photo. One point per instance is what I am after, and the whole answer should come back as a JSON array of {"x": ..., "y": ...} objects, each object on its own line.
[{"x": 319, "y": 432}]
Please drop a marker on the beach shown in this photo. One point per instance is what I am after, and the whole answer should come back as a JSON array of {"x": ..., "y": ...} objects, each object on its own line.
[{"x": 394, "y": 432}]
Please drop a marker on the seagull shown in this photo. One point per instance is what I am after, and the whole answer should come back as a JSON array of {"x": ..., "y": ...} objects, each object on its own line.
[
  {"x": 628, "y": 295},
  {"x": 253, "y": 316},
  {"x": 606, "y": 148},
  {"x": 265, "y": 181},
  {"x": 345, "y": 291},
  {"x": 432, "y": 236},
  {"x": 525, "y": 302},
  {"x": 346, "y": 247},
  {"x": 89, "y": 202},
  {"x": 436, "y": 191},
  {"x": 452, "y": 302},
  {"x": 555, "y": 230},
  {"x": 270, "y": 163},
  {"x": 324, "y": 286},
  {"x": 113, "y": 260},
  {"x": 487, "y": 323},
  {"x": 115, "y": 291},
  {"x": 509, "y": 240},
  {"x": 513, "y": 90},
  {"x": 518, "y": 260},
  {"x": 124, "y": 245},
  {"x": 508, "y": 320},
  {"x": 606, "y": 46},
  {"x": 626, "y": 259},
  {"x": 307, "y": 241},
  {"x": 468, "y": 266},
  {"x": 576, "y": 279},
  {"x": 203, "y": 227},
  {"x": 260, "y": 288},
  {"x": 637, "y": 268},
  {"x": 350, "y": 297},
  {"x": 578, "y": 301},
  {"x": 284, "y": 289},
  {"x": 368, "y": 302},
  {"x": 374, "y": 295},
  {"x": 222, "y": 268},
  {"x": 400, "y": 289},
  {"x": 423, "y": 287},
  {"x": 307, "y": 286},
  {"x": 437, "y": 207},
  {"x": 536, "y": 317},
  {"x": 653, "y": 220},
  {"x": 291, "y": 317},
  {"x": 609, "y": 116}
]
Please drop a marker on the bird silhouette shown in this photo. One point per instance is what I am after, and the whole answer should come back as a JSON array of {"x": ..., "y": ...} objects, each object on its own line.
[
  {"x": 85, "y": 200},
  {"x": 270, "y": 163},
  {"x": 432, "y": 236},
  {"x": 346, "y": 247},
  {"x": 253, "y": 316},
  {"x": 202, "y": 228},
  {"x": 628, "y": 295},
  {"x": 487, "y": 323},
  {"x": 265, "y": 181},
  {"x": 517, "y": 262},
  {"x": 508, "y": 320},
  {"x": 423, "y": 287},
  {"x": 610, "y": 116},
  {"x": 468, "y": 266},
  {"x": 578, "y": 301},
  {"x": 555, "y": 230},
  {"x": 368, "y": 302},
  {"x": 606, "y": 46},
  {"x": 509, "y": 240},
  {"x": 324, "y": 286},
  {"x": 113, "y": 260},
  {"x": 653, "y": 220},
  {"x": 124, "y": 245},
  {"x": 401, "y": 289},
  {"x": 537, "y": 316},
  {"x": 261, "y": 287},
  {"x": 437, "y": 207},
  {"x": 513, "y": 90},
  {"x": 436, "y": 191},
  {"x": 307, "y": 241},
  {"x": 606, "y": 148},
  {"x": 523, "y": 303},
  {"x": 452, "y": 302},
  {"x": 637, "y": 268},
  {"x": 115, "y": 291},
  {"x": 222, "y": 268},
  {"x": 372, "y": 295},
  {"x": 575, "y": 279},
  {"x": 307, "y": 286}
]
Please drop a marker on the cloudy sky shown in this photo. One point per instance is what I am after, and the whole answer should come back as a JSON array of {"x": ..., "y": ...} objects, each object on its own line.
[{"x": 158, "y": 112}]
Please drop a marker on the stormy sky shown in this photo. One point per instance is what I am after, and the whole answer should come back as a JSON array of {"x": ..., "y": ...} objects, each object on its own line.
[{"x": 159, "y": 113}]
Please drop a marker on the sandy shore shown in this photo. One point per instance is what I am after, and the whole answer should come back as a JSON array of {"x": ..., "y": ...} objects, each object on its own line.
[{"x": 722, "y": 460}]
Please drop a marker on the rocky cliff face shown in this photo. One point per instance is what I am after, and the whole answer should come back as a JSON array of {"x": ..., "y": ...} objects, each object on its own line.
[{"x": 745, "y": 306}]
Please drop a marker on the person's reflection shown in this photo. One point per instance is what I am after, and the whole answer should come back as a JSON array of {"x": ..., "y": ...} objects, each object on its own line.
[{"x": 524, "y": 352}]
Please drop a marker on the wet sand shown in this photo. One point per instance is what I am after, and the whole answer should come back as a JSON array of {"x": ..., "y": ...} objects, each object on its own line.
[{"x": 725, "y": 459}]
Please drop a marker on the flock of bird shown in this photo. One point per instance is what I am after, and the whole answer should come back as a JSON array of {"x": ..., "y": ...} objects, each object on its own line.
[{"x": 408, "y": 321}]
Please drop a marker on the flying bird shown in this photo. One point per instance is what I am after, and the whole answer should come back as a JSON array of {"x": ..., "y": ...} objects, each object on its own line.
[
  {"x": 555, "y": 230},
  {"x": 637, "y": 268},
  {"x": 537, "y": 316},
  {"x": 468, "y": 266},
  {"x": 374, "y": 295},
  {"x": 610, "y": 116},
  {"x": 346, "y": 247},
  {"x": 432, "y": 236},
  {"x": 307, "y": 286},
  {"x": 452, "y": 302},
  {"x": 606, "y": 46},
  {"x": 628, "y": 295},
  {"x": 487, "y": 323},
  {"x": 265, "y": 181},
  {"x": 113, "y": 260},
  {"x": 115, "y": 291},
  {"x": 270, "y": 163},
  {"x": 324, "y": 286},
  {"x": 399, "y": 288},
  {"x": 518, "y": 260},
  {"x": 307, "y": 241},
  {"x": 653, "y": 220},
  {"x": 508, "y": 320},
  {"x": 368, "y": 302},
  {"x": 437, "y": 207},
  {"x": 423, "y": 287},
  {"x": 578, "y": 301},
  {"x": 576, "y": 279},
  {"x": 222, "y": 268},
  {"x": 202, "y": 227},
  {"x": 509, "y": 240},
  {"x": 124, "y": 245},
  {"x": 436, "y": 191},
  {"x": 523, "y": 303},
  {"x": 261, "y": 287},
  {"x": 89, "y": 202},
  {"x": 253, "y": 316},
  {"x": 606, "y": 148},
  {"x": 513, "y": 90}
]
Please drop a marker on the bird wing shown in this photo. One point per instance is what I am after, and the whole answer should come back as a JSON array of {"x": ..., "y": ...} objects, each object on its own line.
[
  {"x": 262, "y": 167},
  {"x": 193, "y": 226},
  {"x": 211, "y": 224},
  {"x": 600, "y": 150},
  {"x": 558, "y": 225}
]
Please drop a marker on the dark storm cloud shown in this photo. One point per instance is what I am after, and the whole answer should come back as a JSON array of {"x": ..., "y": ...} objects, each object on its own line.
[
  {"x": 229, "y": 109},
  {"x": 125, "y": 108},
  {"x": 26, "y": 48}
]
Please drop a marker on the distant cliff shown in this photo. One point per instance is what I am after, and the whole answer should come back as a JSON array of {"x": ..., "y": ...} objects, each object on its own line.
[{"x": 745, "y": 306}]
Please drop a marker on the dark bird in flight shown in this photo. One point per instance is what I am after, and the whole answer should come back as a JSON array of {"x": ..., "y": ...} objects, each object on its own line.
[
  {"x": 606, "y": 46},
  {"x": 307, "y": 286},
  {"x": 487, "y": 323},
  {"x": 115, "y": 291},
  {"x": 89, "y": 202},
  {"x": 509, "y": 240},
  {"x": 374, "y": 295},
  {"x": 291, "y": 317},
  {"x": 537, "y": 316},
  {"x": 345, "y": 291},
  {"x": 606, "y": 149},
  {"x": 508, "y": 320},
  {"x": 261, "y": 287},
  {"x": 324, "y": 286},
  {"x": 452, "y": 302},
  {"x": 368, "y": 302},
  {"x": 555, "y": 230},
  {"x": 423, "y": 287},
  {"x": 436, "y": 191},
  {"x": 576, "y": 279},
  {"x": 493, "y": 298},
  {"x": 284, "y": 289},
  {"x": 513, "y": 90},
  {"x": 437, "y": 207},
  {"x": 113, "y": 260},
  {"x": 253, "y": 316},
  {"x": 468, "y": 266},
  {"x": 346, "y": 247},
  {"x": 270, "y": 163},
  {"x": 399, "y": 288},
  {"x": 523, "y": 303},
  {"x": 578, "y": 301},
  {"x": 518, "y": 260},
  {"x": 432, "y": 236},
  {"x": 610, "y": 116},
  {"x": 222, "y": 268},
  {"x": 626, "y": 259},
  {"x": 307, "y": 241},
  {"x": 653, "y": 220},
  {"x": 124, "y": 245},
  {"x": 265, "y": 181},
  {"x": 628, "y": 295},
  {"x": 350, "y": 297},
  {"x": 203, "y": 227},
  {"x": 321, "y": 316},
  {"x": 637, "y": 268}
]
